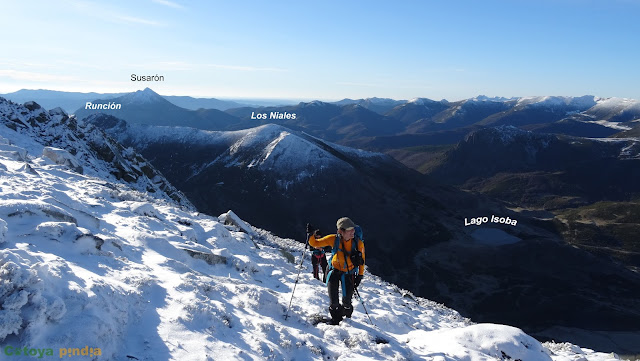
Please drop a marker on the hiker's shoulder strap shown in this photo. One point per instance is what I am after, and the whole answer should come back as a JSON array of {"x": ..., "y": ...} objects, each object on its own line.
[
  {"x": 336, "y": 244},
  {"x": 358, "y": 236}
]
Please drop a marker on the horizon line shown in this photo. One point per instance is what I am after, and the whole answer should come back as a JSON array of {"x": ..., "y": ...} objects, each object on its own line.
[{"x": 313, "y": 99}]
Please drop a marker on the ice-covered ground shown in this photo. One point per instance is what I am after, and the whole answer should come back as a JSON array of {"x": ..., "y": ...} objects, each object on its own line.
[{"x": 94, "y": 265}]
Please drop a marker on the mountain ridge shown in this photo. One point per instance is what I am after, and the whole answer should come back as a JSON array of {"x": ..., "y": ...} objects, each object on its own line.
[{"x": 72, "y": 144}]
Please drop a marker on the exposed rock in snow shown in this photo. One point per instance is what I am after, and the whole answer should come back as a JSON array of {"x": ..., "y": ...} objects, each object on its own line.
[{"x": 62, "y": 157}]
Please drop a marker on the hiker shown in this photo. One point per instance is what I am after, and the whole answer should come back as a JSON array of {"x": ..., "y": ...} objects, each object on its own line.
[
  {"x": 346, "y": 268},
  {"x": 319, "y": 259}
]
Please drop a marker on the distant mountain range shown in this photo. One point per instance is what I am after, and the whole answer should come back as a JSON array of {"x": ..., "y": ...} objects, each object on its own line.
[
  {"x": 415, "y": 226},
  {"x": 378, "y": 105},
  {"x": 148, "y": 107},
  {"x": 423, "y": 122},
  {"x": 70, "y": 101},
  {"x": 50, "y": 99},
  {"x": 485, "y": 158},
  {"x": 375, "y": 124}
]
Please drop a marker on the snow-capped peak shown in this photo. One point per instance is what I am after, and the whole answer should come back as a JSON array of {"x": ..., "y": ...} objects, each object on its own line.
[
  {"x": 315, "y": 103},
  {"x": 580, "y": 103},
  {"x": 425, "y": 101},
  {"x": 619, "y": 103},
  {"x": 484, "y": 98},
  {"x": 615, "y": 110},
  {"x": 145, "y": 96}
]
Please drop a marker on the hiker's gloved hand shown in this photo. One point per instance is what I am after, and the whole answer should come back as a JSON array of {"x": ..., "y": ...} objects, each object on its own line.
[
  {"x": 311, "y": 229},
  {"x": 357, "y": 281}
]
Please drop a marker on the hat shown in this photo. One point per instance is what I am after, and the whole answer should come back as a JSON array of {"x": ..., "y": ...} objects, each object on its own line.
[{"x": 345, "y": 223}]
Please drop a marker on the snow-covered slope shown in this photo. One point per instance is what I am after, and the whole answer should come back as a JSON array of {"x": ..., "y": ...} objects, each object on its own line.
[
  {"x": 578, "y": 103},
  {"x": 269, "y": 147},
  {"x": 615, "y": 110},
  {"x": 90, "y": 265},
  {"x": 84, "y": 148}
]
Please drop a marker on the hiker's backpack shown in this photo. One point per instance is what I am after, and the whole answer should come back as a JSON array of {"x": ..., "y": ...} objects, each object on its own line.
[{"x": 318, "y": 252}]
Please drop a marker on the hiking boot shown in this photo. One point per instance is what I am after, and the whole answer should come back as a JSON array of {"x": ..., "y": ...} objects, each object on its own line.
[
  {"x": 336, "y": 314},
  {"x": 347, "y": 310}
]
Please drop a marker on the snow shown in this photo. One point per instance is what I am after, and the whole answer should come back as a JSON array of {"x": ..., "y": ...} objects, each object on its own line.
[
  {"x": 268, "y": 147},
  {"x": 62, "y": 157},
  {"x": 608, "y": 124},
  {"x": 347, "y": 150},
  {"x": 274, "y": 148},
  {"x": 232, "y": 219},
  {"x": 478, "y": 343},
  {"x": 568, "y": 352},
  {"x": 81, "y": 148},
  {"x": 3, "y": 230},
  {"x": 484, "y": 98},
  {"x": 611, "y": 107},
  {"x": 617, "y": 103},
  {"x": 583, "y": 102},
  {"x": 87, "y": 261}
]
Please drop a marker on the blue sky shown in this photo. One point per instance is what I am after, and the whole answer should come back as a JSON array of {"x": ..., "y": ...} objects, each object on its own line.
[{"x": 325, "y": 49}]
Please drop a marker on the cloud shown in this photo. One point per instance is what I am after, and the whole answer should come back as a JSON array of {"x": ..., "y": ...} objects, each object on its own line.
[
  {"x": 169, "y": 4},
  {"x": 187, "y": 66},
  {"x": 108, "y": 13},
  {"x": 33, "y": 76},
  {"x": 134, "y": 20},
  {"x": 243, "y": 68},
  {"x": 170, "y": 65},
  {"x": 359, "y": 84}
]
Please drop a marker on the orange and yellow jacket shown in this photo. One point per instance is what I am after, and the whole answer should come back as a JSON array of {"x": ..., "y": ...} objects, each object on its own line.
[{"x": 339, "y": 259}]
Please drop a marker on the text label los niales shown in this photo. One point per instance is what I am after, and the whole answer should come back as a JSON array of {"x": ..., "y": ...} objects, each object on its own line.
[{"x": 273, "y": 115}]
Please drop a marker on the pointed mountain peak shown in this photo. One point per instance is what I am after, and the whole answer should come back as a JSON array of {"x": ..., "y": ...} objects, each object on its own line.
[
  {"x": 143, "y": 96},
  {"x": 580, "y": 103},
  {"x": 419, "y": 101},
  {"x": 315, "y": 103}
]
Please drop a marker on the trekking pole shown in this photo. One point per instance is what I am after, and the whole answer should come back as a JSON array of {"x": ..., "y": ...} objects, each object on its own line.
[
  {"x": 306, "y": 241},
  {"x": 362, "y": 302},
  {"x": 356, "y": 288}
]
